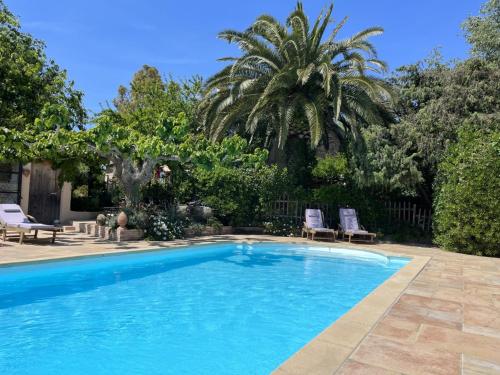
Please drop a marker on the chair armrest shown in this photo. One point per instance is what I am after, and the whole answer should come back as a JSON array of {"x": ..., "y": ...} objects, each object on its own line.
[{"x": 32, "y": 219}]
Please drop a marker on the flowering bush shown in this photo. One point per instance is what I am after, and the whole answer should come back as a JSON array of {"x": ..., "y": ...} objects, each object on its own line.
[
  {"x": 164, "y": 228},
  {"x": 281, "y": 227}
]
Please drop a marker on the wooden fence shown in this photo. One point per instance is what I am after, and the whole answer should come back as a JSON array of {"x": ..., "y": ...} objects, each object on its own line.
[
  {"x": 397, "y": 212},
  {"x": 295, "y": 210},
  {"x": 410, "y": 213}
]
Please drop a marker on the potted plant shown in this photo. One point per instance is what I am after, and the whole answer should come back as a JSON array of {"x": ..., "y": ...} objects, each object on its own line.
[{"x": 101, "y": 222}]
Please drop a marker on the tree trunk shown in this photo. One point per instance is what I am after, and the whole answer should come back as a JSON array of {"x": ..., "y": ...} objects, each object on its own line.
[
  {"x": 277, "y": 155},
  {"x": 131, "y": 176}
]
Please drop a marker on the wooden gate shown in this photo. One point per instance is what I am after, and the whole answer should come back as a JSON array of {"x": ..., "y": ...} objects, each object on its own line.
[{"x": 45, "y": 193}]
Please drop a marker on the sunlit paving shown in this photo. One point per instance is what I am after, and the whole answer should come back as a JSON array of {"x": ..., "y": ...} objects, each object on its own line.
[{"x": 250, "y": 188}]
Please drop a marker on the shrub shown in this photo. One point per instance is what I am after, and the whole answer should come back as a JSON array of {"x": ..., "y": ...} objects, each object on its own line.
[
  {"x": 197, "y": 229},
  {"x": 162, "y": 227},
  {"x": 157, "y": 192},
  {"x": 278, "y": 226},
  {"x": 331, "y": 169},
  {"x": 467, "y": 208},
  {"x": 215, "y": 224},
  {"x": 112, "y": 221},
  {"x": 239, "y": 196}
]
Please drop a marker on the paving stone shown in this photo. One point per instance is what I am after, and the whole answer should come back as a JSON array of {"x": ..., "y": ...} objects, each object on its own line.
[
  {"x": 356, "y": 368},
  {"x": 408, "y": 359},
  {"x": 480, "y": 346}
]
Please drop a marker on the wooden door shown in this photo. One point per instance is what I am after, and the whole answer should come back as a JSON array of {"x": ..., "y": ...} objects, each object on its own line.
[{"x": 45, "y": 193}]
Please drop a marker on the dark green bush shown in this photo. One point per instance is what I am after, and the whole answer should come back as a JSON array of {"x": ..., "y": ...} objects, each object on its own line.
[
  {"x": 370, "y": 210},
  {"x": 467, "y": 204},
  {"x": 158, "y": 193},
  {"x": 402, "y": 232},
  {"x": 239, "y": 196},
  {"x": 331, "y": 169}
]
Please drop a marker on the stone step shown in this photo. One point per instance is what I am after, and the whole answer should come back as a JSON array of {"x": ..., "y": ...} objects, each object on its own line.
[{"x": 69, "y": 228}]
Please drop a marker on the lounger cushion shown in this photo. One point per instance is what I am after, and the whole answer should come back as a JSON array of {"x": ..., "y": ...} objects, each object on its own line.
[
  {"x": 349, "y": 220},
  {"x": 314, "y": 218},
  {"x": 11, "y": 214},
  {"x": 360, "y": 231},
  {"x": 36, "y": 226},
  {"x": 322, "y": 230}
]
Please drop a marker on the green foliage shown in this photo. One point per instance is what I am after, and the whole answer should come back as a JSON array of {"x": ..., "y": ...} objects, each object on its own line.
[
  {"x": 332, "y": 169},
  {"x": 90, "y": 192},
  {"x": 435, "y": 99},
  {"x": 215, "y": 224},
  {"x": 278, "y": 226},
  {"x": 197, "y": 229},
  {"x": 158, "y": 193},
  {"x": 38, "y": 105},
  {"x": 467, "y": 208},
  {"x": 162, "y": 227},
  {"x": 370, "y": 210},
  {"x": 146, "y": 128},
  {"x": 296, "y": 77},
  {"x": 483, "y": 32},
  {"x": 405, "y": 233},
  {"x": 138, "y": 218},
  {"x": 112, "y": 221},
  {"x": 152, "y": 96},
  {"x": 239, "y": 195}
]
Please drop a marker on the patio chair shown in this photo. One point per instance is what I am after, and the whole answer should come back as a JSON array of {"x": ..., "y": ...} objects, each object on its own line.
[
  {"x": 314, "y": 225},
  {"x": 13, "y": 219},
  {"x": 349, "y": 226}
]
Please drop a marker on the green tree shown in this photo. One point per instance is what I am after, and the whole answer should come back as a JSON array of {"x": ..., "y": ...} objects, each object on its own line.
[
  {"x": 146, "y": 127},
  {"x": 332, "y": 169},
  {"x": 467, "y": 207},
  {"x": 235, "y": 179},
  {"x": 38, "y": 105},
  {"x": 483, "y": 32},
  {"x": 150, "y": 92},
  {"x": 294, "y": 77},
  {"x": 149, "y": 126},
  {"x": 434, "y": 100}
]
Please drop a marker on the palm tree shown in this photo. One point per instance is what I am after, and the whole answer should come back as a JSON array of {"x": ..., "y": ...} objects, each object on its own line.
[{"x": 292, "y": 76}]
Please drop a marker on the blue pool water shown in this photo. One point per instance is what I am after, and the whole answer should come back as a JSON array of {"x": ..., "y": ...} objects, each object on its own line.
[{"x": 218, "y": 309}]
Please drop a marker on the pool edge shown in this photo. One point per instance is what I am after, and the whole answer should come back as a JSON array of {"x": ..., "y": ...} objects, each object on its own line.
[
  {"x": 179, "y": 244},
  {"x": 326, "y": 353}
]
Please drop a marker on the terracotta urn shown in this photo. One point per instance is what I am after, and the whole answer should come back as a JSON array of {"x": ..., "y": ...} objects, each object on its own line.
[{"x": 122, "y": 219}]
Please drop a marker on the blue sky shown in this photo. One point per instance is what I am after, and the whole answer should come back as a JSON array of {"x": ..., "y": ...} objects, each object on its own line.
[{"x": 103, "y": 42}]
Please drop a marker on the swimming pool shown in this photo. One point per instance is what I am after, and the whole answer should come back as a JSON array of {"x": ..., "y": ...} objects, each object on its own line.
[{"x": 218, "y": 309}]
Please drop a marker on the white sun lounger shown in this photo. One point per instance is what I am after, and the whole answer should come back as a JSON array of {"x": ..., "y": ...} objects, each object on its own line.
[
  {"x": 13, "y": 219},
  {"x": 349, "y": 226},
  {"x": 314, "y": 225}
]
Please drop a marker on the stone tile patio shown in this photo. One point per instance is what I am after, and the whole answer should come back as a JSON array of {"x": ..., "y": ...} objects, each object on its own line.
[{"x": 446, "y": 320}]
